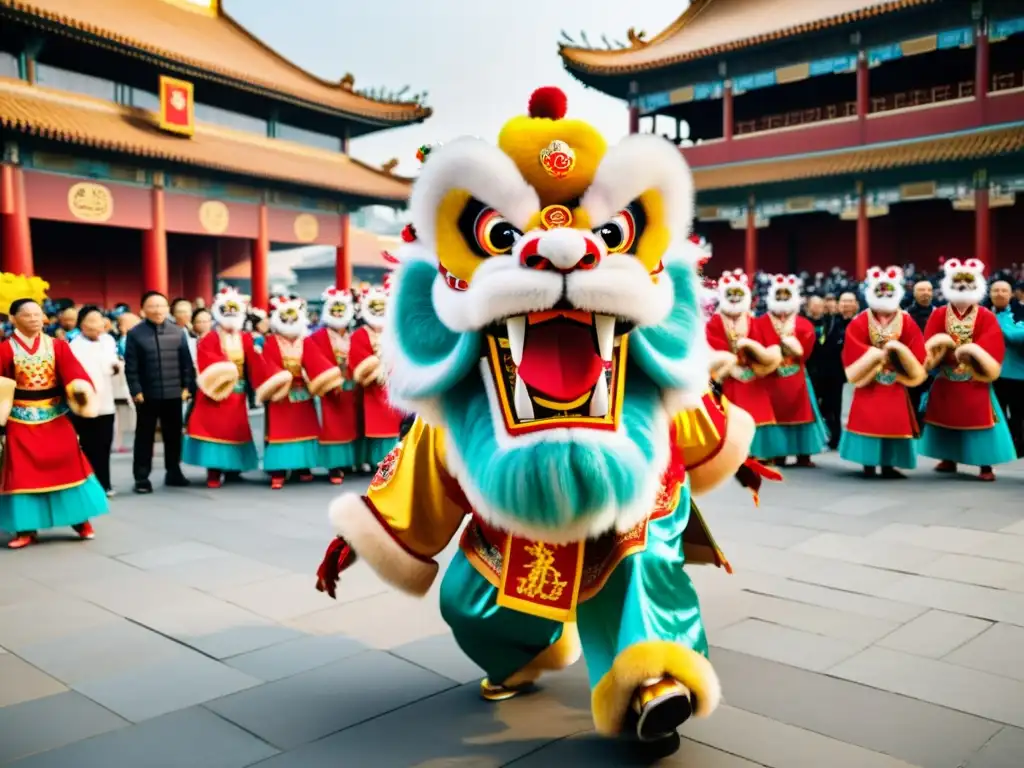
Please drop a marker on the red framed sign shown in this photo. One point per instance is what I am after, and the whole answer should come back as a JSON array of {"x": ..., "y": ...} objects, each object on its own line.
[{"x": 177, "y": 106}]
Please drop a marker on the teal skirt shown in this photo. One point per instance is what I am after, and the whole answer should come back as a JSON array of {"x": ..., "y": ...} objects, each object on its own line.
[
  {"x": 793, "y": 439},
  {"x": 53, "y": 509},
  {"x": 337, "y": 455},
  {"x": 227, "y": 457},
  {"x": 977, "y": 447},
  {"x": 373, "y": 450},
  {"x": 899, "y": 452},
  {"x": 282, "y": 457}
]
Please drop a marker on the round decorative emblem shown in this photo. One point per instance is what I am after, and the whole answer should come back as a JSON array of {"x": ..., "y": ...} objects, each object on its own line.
[
  {"x": 386, "y": 469},
  {"x": 306, "y": 227},
  {"x": 214, "y": 217},
  {"x": 555, "y": 216},
  {"x": 558, "y": 159},
  {"x": 90, "y": 202}
]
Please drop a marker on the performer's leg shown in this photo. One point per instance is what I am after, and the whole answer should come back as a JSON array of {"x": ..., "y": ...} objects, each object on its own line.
[
  {"x": 101, "y": 439},
  {"x": 142, "y": 451},
  {"x": 171, "y": 425},
  {"x": 512, "y": 648},
  {"x": 645, "y": 643}
]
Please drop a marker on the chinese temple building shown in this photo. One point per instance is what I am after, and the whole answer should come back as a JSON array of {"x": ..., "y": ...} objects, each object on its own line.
[
  {"x": 153, "y": 144},
  {"x": 840, "y": 133}
]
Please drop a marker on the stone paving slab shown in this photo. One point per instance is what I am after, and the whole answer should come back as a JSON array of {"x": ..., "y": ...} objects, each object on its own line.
[{"x": 867, "y": 625}]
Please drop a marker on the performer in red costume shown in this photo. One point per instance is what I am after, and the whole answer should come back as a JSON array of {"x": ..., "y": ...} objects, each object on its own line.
[
  {"x": 883, "y": 355},
  {"x": 294, "y": 372},
  {"x": 381, "y": 422},
  {"x": 47, "y": 481},
  {"x": 963, "y": 421},
  {"x": 218, "y": 436},
  {"x": 339, "y": 407},
  {"x": 738, "y": 340},
  {"x": 799, "y": 429}
]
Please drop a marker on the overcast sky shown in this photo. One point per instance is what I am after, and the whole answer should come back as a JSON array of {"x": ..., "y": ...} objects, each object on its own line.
[{"x": 479, "y": 60}]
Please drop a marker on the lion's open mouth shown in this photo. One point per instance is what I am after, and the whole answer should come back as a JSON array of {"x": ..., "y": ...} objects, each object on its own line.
[
  {"x": 561, "y": 368},
  {"x": 783, "y": 294},
  {"x": 885, "y": 290}
]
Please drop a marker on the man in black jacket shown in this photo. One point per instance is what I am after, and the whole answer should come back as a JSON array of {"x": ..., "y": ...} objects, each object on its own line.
[
  {"x": 160, "y": 374},
  {"x": 920, "y": 311}
]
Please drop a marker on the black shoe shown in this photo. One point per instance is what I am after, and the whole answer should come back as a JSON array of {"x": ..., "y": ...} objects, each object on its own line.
[
  {"x": 177, "y": 481},
  {"x": 143, "y": 486}
]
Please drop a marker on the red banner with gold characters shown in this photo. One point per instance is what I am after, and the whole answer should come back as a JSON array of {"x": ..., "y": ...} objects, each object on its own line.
[
  {"x": 541, "y": 579},
  {"x": 177, "y": 106}
]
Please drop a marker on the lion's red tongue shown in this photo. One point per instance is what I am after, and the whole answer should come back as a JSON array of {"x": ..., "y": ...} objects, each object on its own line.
[{"x": 559, "y": 360}]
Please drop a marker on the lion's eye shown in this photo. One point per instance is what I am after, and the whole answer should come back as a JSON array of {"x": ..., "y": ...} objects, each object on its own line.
[
  {"x": 493, "y": 233},
  {"x": 619, "y": 234}
]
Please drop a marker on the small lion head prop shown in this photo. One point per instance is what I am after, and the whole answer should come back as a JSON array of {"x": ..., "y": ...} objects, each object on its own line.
[
  {"x": 229, "y": 309},
  {"x": 373, "y": 306},
  {"x": 784, "y": 296},
  {"x": 734, "y": 294},
  {"x": 883, "y": 289},
  {"x": 339, "y": 308},
  {"x": 288, "y": 317},
  {"x": 547, "y": 317},
  {"x": 963, "y": 282}
]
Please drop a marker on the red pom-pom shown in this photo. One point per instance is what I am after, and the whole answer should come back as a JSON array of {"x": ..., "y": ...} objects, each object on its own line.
[
  {"x": 549, "y": 102},
  {"x": 408, "y": 233}
]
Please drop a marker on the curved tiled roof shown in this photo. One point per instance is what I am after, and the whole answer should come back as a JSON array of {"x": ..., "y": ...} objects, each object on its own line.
[
  {"x": 73, "y": 119},
  {"x": 944, "y": 149},
  {"x": 710, "y": 27},
  {"x": 214, "y": 43}
]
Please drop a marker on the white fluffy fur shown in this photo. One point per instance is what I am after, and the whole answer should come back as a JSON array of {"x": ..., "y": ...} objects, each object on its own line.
[
  {"x": 788, "y": 306},
  {"x": 376, "y": 293},
  {"x": 230, "y": 321},
  {"x": 729, "y": 282},
  {"x": 354, "y": 522},
  {"x": 639, "y": 163},
  {"x": 481, "y": 169},
  {"x": 332, "y": 298},
  {"x": 292, "y": 330},
  {"x": 880, "y": 277},
  {"x": 89, "y": 409},
  {"x": 966, "y": 297},
  {"x": 619, "y": 519}
]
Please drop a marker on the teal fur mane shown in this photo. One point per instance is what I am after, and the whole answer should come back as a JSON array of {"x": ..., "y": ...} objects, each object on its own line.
[{"x": 549, "y": 484}]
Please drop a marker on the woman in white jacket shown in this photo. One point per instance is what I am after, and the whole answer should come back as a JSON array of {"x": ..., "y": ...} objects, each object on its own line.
[{"x": 97, "y": 352}]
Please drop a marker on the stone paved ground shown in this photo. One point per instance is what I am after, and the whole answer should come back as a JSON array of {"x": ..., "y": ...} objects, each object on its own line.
[{"x": 868, "y": 625}]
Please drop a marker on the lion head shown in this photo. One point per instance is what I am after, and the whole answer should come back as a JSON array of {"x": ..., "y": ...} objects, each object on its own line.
[
  {"x": 229, "y": 309},
  {"x": 547, "y": 317},
  {"x": 339, "y": 308},
  {"x": 963, "y": 282},
  {"x": 288, "y": 317},
  {"x": 883, "y": 289}
]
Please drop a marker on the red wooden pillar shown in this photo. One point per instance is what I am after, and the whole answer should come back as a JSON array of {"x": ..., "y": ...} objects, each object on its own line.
[
  {"x": 981, "y": 71},
  {"x": 863, "y": 86},
  {"x": 863, "y": 233},
  {"x": 750, "y": 252},
  {"x": 727, "y": 113},
  {"x": 259, "y": 263},
  {"x": 634, "y": 120},
  {"x": 198, "y": 276},
  {"x": 154, "y": 247},
  {"x": 342, "y": 257},
  {"x": 15, "y": 234},
  {"x": 982, "y": 221}
]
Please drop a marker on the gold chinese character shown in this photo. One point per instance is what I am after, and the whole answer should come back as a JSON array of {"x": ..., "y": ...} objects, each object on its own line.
[{"x": 543, "y": 581}]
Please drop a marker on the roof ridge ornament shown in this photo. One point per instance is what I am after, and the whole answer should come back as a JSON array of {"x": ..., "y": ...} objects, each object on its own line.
[{"x": 637, "y": 39}]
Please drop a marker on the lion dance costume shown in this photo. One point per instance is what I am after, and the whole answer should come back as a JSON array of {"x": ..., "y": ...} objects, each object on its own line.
[
  {"x": 545, "y": 326},
  {"x": 963, "y": 421},
  {"x": 883, "y": 355}
]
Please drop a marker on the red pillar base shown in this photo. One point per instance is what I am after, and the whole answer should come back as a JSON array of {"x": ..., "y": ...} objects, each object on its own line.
[{"x": 154, "y": 249}]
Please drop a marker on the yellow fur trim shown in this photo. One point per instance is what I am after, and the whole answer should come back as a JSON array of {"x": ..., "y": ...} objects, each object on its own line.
[
  {"x": 364, "y": 531},
  {"x": 565, "y": 652},
  {"x": 275, "y": 388},
  {"x": 739, "y": 433},
  {"x": 522, "y": 139},
  {"x": 366, "y": 372},
  {"x": 720, "y": 364},
  {"x": 325, "y": 382},
  {"x": 937, "y": 346},
  {"x": 649, "y": 661},
  {"x": 7, "y": 387},
  {"x": 795, "y": 348},
  {"x": 218, "y": 380},
  {"x": 915, "y": 372},
  {"x": 862, "y": 372},
  {"x": 90, "y": 409},
  {"x": 986, "y": 367}
]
